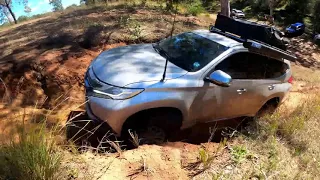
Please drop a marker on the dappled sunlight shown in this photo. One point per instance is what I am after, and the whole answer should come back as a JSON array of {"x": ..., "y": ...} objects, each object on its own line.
[{"x": 133, "y": 64}]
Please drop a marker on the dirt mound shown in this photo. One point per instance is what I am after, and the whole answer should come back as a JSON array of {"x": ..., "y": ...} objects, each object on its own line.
[{"x": 170, "y": 161}]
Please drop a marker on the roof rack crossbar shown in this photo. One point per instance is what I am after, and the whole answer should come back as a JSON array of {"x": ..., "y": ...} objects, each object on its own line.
[
  {"x": 257, "y": 46},
  {"x": 218, "y": 31}
]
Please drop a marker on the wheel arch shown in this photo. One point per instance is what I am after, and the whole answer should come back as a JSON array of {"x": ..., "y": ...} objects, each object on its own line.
[
  {"x": 269, "y": 106},
  {"x": 137, "y": 118}
]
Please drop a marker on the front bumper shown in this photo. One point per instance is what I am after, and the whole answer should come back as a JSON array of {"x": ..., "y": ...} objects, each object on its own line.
[
  {"x": 101, "y": 109},
  {"x": 105, "y": 110}
]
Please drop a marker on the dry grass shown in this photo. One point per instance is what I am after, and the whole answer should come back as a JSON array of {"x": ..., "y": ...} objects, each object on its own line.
[
  {"x": 311, "y": 76},
  {"x": 283, "y": 146},
  {"x": 31, "y": 155}
]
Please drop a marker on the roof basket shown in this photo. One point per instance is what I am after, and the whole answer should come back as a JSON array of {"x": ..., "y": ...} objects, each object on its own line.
[{"x": 260, "y": 39}]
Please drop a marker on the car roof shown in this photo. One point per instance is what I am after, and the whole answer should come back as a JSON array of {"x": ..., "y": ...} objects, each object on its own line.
[
  {"x": 223, "y": 40},
  {"x": 297, "y": 24}
]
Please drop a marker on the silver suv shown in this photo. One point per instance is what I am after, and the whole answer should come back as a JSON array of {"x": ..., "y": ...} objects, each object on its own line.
[
  {"x": 194, "y": 77},
  {"x": 237, "y": 13}
]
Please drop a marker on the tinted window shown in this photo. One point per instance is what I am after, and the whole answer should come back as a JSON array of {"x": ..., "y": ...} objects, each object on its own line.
[
  {"x": 190, "y": 51},
  {"x": 293, "y": 26},
  {"x": 252, "y": 66}
]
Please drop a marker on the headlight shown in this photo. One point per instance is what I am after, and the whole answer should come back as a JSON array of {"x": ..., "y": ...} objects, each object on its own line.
[
  {"x": 116, "y": 92},
  {"x": 94, "y": 87}
]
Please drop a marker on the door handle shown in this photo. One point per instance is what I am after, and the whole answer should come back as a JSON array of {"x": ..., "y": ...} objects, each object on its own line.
[
  {"x": 271, "y": 87},
  {"x": 242, "y": 90}
]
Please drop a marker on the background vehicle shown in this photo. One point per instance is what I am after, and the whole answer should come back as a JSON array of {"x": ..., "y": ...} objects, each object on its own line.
[
  {"x": 237, "y": 13},
  {"x": 296, "y": 29},
  {"x": 317, "y": 39},
  {"x": 194, "y": 77}
]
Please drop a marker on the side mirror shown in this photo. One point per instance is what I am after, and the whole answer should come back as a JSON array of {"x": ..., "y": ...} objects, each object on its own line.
[{"x": 219, "y": 78}]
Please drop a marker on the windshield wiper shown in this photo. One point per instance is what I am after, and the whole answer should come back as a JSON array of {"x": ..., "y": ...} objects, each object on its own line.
[{"x": 161, "y": 51}]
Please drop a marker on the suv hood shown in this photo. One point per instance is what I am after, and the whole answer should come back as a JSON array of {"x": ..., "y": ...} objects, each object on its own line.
[{"x": 131, "y": 64}]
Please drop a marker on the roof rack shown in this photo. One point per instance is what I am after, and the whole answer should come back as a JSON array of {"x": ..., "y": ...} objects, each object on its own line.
[{"x": 257, "y": 38}]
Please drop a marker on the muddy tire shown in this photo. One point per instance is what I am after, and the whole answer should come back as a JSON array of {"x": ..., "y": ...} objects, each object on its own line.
[
  {"x": 152, "y": 135},
  {"x": 268, "y": 108},
  {"x": 153, "y": 127}
]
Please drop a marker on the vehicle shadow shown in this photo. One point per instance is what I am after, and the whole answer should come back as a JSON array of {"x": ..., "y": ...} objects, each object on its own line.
[
  {"x": 213, "y": 131},
  {"x": 87, "y": 134}
]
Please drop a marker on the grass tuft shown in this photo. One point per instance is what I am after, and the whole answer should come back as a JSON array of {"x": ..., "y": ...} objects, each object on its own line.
[
  {"x": 239, "y": 153},
  {"x": 32, "y": 156},
  {"x": 134, "y": 138}
]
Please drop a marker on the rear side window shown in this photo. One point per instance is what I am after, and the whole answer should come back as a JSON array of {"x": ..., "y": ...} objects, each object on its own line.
[{"x": 252, "y": 66}]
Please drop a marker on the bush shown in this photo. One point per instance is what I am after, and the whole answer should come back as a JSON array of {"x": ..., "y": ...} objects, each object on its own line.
[
  {"x": 23, "y": 18},
  {"x": 195, "y": 8},
  {"x": 135, "y": 29},
  {"x": 32, "y": 157},
  {"x": 72, "y": 7}
]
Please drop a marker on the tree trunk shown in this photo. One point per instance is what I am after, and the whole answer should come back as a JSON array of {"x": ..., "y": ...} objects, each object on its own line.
[
  {"x": 12, "y": 14},
  {"x": 10, "y": 11},
  {"x": 7, "y": 15},
  {"x": 271, "y": 7},
  {"x": 169, "y": 4},
  {"x": 225, "y": 7}
]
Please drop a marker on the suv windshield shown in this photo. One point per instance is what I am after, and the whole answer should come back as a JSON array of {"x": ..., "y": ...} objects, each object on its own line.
[
  {"x": 189, "y": 51},
  {"x": 292, "y": 26}
]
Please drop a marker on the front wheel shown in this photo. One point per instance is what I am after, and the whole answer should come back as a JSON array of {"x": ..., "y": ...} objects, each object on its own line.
[
  {"x": 152, "y": 135},
  {"x": 152, "y": 127}
]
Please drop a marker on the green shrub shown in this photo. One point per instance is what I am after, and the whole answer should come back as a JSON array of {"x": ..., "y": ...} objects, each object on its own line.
[
  {"x": 23, "y": 18},
  {"x": 195, "y": 8},
  {"x": 30, "y": 157},
  {"x": 239, "y": 153},
  {"x": 135, "y": 29},
  {"x": 124, "y": 20},
  {"x": 72, "y": 7}
]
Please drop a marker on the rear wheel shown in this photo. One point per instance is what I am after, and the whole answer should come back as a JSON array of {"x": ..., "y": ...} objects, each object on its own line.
[{"x": 268, "y": 108}]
